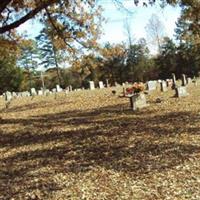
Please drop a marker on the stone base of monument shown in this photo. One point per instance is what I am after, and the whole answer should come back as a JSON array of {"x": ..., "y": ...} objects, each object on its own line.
[{"x": 137, "y": 101}]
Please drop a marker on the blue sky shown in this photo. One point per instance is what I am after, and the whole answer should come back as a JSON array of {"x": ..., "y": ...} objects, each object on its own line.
[{"x": 114, "y": 31}]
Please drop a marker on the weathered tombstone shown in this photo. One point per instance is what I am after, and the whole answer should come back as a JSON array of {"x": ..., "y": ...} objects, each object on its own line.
[
  {"x": 70, "y": 88},
  {"x": 40, "y": 92},
  {"x": 47, "y": 92},
  {"x": 163, "y": 86},
  {"x": 33, "y": 92},
  {"x": 107, "y": 83},
  {"x": 173, "y": 81},
  {"x": 54, "y": 90},
  {"x": 189, "y": 80},
  {"x": 92, "y": 87},
  {"x": 183, "y": 79},
  {"x": 138, "y": 101},
  {"x": 101, "y": 85},
  {"x": 181, "y": 91},
  {"x": 169, "y": 82},
  {"x": 151, "y": 85},
  {"x": 8, "y": 96},
  {"x": 14, "y": 94},
  {"x": 58, "y": 88}
]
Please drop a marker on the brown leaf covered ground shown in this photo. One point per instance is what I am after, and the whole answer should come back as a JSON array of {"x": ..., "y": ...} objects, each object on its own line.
[{"x": 90, "y": 145}]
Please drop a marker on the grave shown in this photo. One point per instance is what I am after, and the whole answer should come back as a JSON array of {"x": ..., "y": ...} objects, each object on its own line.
[
  {"x": 137, "y": 101},
  {"x": 189, "y": 80},
  {"x": 40, "y": 92},
  {"x": 101, "y": 85},
  {"x": 183, "y": 79},
  {"x": 173, "y": 81},
  {"x": 8, "y": 96},
  {"x": 169, "y": 82},
  {"x": 92, "y": 86},
  {"x": 181, "y": 92},
  {"x": 33, "y": 92},
  {"x": 163, "y": 86},
  {"x": 58, "y": 88},
  {"x": 151, "y": 85}
]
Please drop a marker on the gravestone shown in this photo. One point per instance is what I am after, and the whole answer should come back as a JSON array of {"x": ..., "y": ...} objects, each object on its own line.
[
  {"x": 138, "y": 101},
  {"x": 189, "y": 80},
  {"x": 101, "y": 86},
  {"x": 107, "y": 83},
  {"x": 183, "y": 79},
  {"x": 92, "y": 86},
  {"x": 58, "y": 88},
  {"x": 33, "y": 92},
  {"x": 151, "y": 85},
  {"x": 47, "y": 92},
  {"x": 169, "y": 82},
  {"x": 14, "y": 94},
  {"x": 173, "y": 81},
  {"x": 54, "y": 90},
  {"x": 181, "y": 91},
  {"x": 40, "y": 92},
  {"x": 163, "y": 86},
  {"x": 8, "y": 96}
]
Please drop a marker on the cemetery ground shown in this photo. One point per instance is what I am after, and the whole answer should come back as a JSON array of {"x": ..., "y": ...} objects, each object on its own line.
[{"x": 90, "y": 145}]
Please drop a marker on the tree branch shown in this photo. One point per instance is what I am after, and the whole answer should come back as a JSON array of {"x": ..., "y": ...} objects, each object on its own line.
[{"x": 28, "y": 16}]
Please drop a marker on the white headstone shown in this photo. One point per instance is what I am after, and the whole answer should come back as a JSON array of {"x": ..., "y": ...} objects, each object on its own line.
[
  {"x": 101, "y": 86},
  {"x": 58, "y": 88},
  {"x": 92, "y": 87},
  {"x": 33, "y": 92},
  {"x": 40, "y": 92},
  {"x": 181, "y": 91},
  {"x": 151, "y": 85},
  {"x": 163, "y": 86},
  {"x": 8, "y": 96}
]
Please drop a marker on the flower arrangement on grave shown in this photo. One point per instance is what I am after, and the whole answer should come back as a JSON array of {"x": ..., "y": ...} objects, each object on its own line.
[{"x": 135, "y": 88}]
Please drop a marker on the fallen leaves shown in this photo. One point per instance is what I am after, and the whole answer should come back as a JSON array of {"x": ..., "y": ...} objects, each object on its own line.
[{"x": 90, "y": 145}]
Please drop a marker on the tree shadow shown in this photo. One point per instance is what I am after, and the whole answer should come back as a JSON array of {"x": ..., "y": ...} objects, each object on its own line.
[{"x": 108, "y": 138}]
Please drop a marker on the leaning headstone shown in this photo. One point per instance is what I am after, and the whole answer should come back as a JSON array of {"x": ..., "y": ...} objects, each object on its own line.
[
  {"x": 92, "y": 87},
  {"x": 138, "y": 101},
  {"x": 163, "y": 86},
  {"x": 183, "y": 79},
  {"x": 101, "y": 86},
  {"x": 173, "y": 81},
  {"x": 151, "y": 85},
  {"x": 181, "y": 91}
]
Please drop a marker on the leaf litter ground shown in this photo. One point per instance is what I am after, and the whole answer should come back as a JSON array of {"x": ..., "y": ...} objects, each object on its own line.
[{"x": 90, "y": 145}]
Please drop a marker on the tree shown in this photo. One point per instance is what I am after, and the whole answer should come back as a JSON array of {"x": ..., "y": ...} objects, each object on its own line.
[
  {"x": 50, "y": 54},
  {"x": 10, "y": 75},
  {"x": 155, "y": 31},
  {"x": 29, "y": 58},
  {"x": 26, "y": 10},
  {"x": 113, "y": 58}
]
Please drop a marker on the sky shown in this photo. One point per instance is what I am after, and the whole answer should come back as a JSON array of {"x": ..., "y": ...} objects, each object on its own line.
[{"x": 113, "y": 29}]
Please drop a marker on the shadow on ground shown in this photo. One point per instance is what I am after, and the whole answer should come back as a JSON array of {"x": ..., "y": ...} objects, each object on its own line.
[{"x": 116, "y": 140}]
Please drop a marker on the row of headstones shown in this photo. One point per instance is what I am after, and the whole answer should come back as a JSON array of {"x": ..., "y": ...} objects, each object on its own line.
[
  {"x": 10, "y": 95},
  {"x": 171, "y": 83},
  {"x": 139, "y": 101}
]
